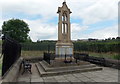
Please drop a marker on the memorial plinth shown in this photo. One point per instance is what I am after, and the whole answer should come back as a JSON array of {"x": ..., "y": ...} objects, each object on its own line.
[
  {"x": 60, "y": 68},
  {"x": 63, "y": 49}
]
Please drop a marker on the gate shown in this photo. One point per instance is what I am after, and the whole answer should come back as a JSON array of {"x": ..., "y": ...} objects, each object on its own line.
[{"x": 11, "y": 51}]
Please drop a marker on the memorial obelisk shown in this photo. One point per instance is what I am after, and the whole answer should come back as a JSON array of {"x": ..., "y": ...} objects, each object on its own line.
[{"x": 64, "y": 45}]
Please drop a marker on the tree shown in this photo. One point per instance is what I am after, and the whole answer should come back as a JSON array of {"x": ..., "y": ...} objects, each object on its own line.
[{"x": 16, "y": 29}]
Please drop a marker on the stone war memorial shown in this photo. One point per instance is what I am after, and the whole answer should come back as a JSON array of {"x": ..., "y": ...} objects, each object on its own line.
[
  {"x": 64, "y": 60},
  {"x": 63, "y": 64},
  {"x": 64, "y": 45}
]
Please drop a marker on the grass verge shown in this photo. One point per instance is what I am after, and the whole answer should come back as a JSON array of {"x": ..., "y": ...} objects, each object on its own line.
[
  {"x": 40, "y": 54},
  {"x": 31, "y": 54},
  {"x": 108, "y": 55}
]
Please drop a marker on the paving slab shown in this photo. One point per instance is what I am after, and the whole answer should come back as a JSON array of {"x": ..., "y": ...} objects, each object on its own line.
[
  {"x": 59, "y": 77},
  {"x": 48, "y": 70},
  {"x": 79, "y": 75},
  {"x": 37, "y": 80},
  {"x": 105, "y": 75}
]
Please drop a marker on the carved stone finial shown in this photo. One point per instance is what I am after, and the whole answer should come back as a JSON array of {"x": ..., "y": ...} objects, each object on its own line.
[{"x": 64, "y": 2}]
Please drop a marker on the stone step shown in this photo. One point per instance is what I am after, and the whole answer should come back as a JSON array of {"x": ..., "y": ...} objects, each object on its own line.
[
  {"x": 39, "y": 68},
  {"x": 53, "y": 73},
  {"x": 47, "y": 68}
]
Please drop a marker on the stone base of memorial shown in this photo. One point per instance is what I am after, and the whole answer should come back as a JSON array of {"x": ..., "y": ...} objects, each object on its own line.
[
  {"x": 64, "y": 50},
  {"x": 58, "y": 67}
]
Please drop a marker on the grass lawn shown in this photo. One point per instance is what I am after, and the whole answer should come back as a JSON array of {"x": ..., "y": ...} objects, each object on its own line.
[
  {"x": 29, "y": 54},
  {"x": 0, "y": 42},
  {"x": 104, "y": 55}
]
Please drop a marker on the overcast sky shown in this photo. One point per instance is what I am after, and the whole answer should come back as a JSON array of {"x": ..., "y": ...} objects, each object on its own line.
[{"x": 89, "y": 18}]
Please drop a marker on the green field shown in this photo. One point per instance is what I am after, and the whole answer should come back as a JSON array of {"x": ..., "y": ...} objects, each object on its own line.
[
  {"x": 104, "y": 55},
  {"x": 0, "y": 42},
  {"x": 29, "y": 54}
]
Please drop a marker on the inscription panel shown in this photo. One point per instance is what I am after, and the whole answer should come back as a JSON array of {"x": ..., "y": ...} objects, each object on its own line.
[{"x": 64, "y": 50}]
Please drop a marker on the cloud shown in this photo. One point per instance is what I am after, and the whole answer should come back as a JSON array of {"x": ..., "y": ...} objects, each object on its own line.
[
  {"x": 103, "y": 33},
  {"x": 76, "y": 30},
  {"x": 1, "y": 22},
  {"x": 93, "y": 11},
  {"x": 47, "y": 9},
  {"x": 89, "y": 11},
  {"x": 40, "y": 30}
]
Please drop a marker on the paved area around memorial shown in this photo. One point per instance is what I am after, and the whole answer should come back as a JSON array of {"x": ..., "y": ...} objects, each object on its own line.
[{"x": 105, "y": 75}]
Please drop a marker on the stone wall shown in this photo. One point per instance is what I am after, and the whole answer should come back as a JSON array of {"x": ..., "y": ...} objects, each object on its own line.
[{"x": 12, "y": 74}]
